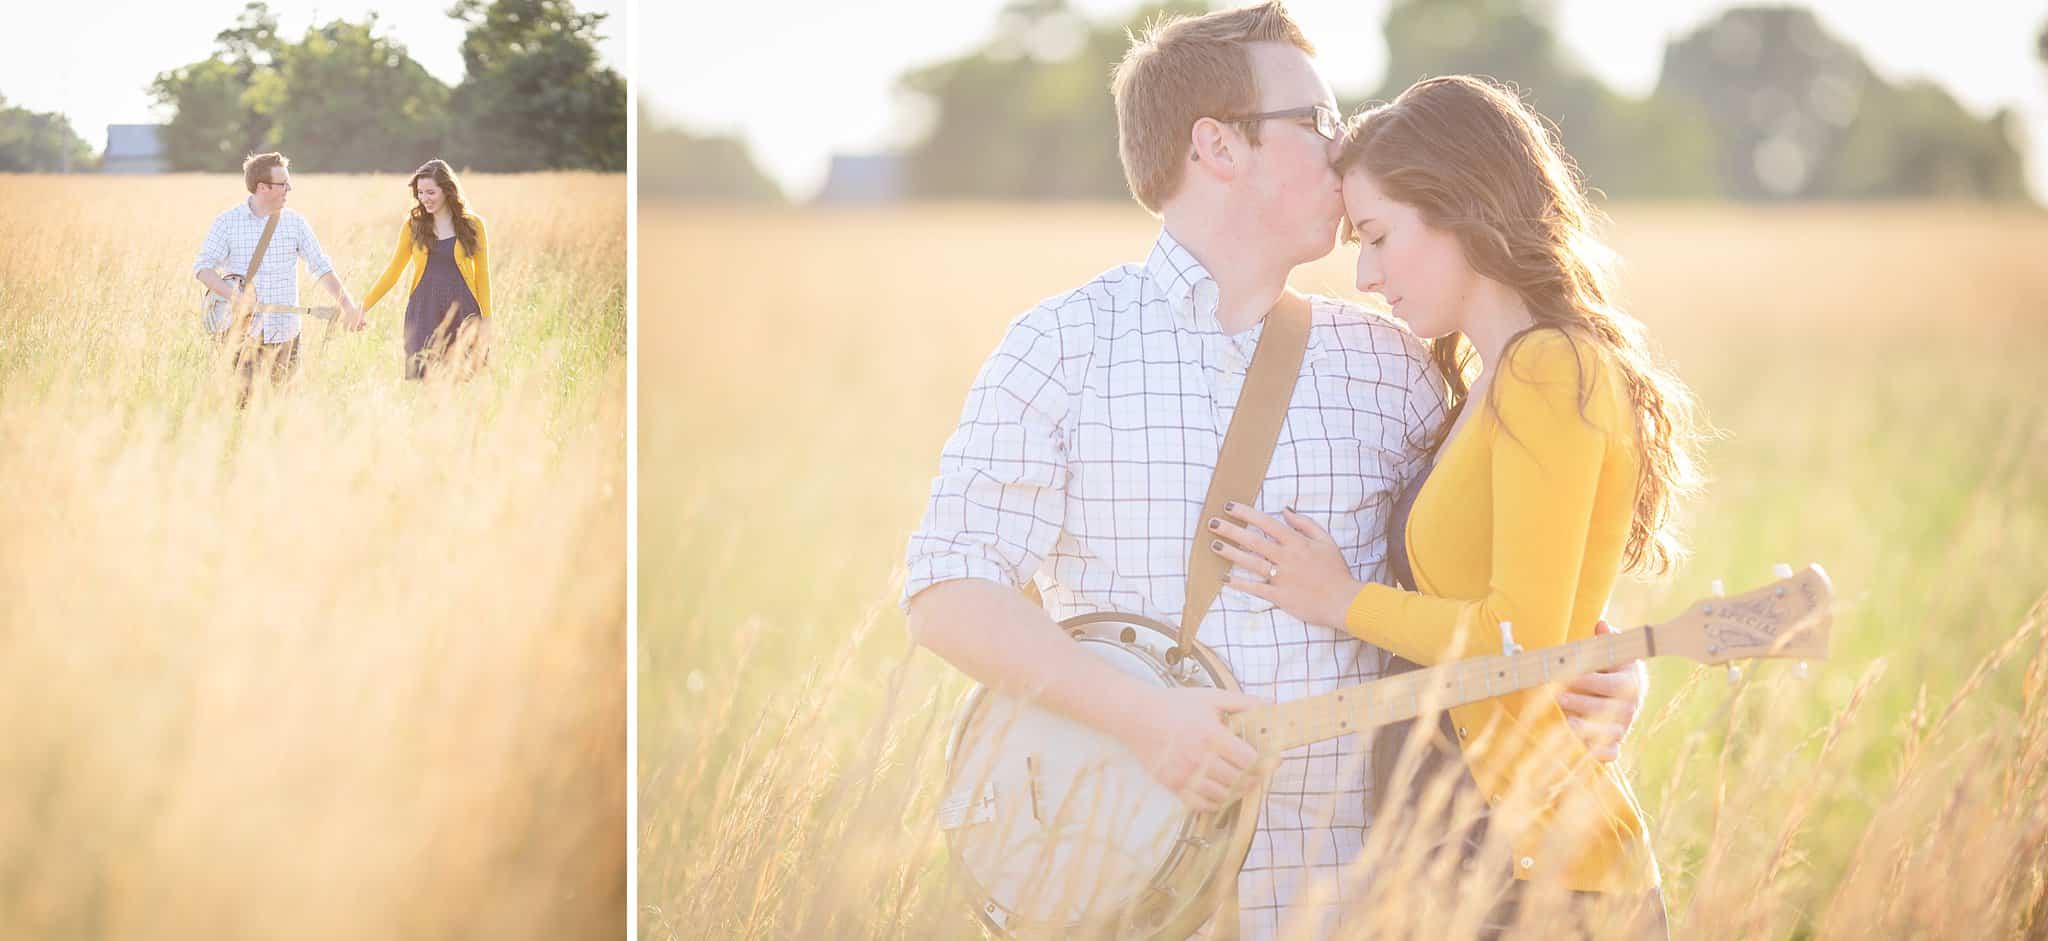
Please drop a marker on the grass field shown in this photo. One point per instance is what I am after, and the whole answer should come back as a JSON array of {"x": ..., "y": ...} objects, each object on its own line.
[
  {"x": 1875, "y": 374},
  {"x": 345, "y": 664}
]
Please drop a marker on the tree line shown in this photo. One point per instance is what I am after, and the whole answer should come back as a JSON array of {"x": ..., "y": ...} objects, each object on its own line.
[
  {"x": 346, "y": 98},
  {"x": 1761, "y": 104}
]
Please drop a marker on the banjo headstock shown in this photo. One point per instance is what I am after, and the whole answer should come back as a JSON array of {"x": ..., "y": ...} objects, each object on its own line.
[{"x": 1786, "y": 619}]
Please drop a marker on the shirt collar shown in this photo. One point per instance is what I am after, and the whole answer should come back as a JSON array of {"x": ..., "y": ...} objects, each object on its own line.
[
  {"x": 251, "y": 210},
  {"x": 1191, "y": 293},
  {"x": 1193, "y": 296}
]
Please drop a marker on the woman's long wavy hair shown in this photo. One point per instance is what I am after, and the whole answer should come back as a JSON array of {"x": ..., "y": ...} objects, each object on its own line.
[
  {"x": 451, "y": 193},
  {"x": 1476, "y": 161}
]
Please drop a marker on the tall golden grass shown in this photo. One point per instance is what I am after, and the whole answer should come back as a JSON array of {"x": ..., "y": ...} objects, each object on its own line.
[
  {"x": 1874, "y": 372},
  {"x": 344, "y": 664}
]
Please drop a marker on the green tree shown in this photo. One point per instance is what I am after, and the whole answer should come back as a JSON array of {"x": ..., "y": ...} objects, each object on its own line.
[
  {"x": 215, "y": 120},
  {"x": 678, "y": 165},
  {"x": 1625, "y": 148},
  {"x": 1916, "y": 141},
  {"x": 39, "y": 142},
  {"x": 1799, "y": 114},
  {"x": 348, "y": 100},
  {"x": 344, "y": 98},
  {"x": 534, "y": 96},
  {"x": 1029, "y": 114}
]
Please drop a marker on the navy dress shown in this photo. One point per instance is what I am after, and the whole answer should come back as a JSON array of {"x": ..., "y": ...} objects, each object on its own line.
[{"x": 440, "y": 296}]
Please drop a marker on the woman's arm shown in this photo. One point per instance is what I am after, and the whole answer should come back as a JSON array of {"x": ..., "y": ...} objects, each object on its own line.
[
  {"x": 1545, "y": 476},
  {"x": 483, "y": 269},
  {"x": 392, "y": 270},
  {"x": 1545, "y": 473}
]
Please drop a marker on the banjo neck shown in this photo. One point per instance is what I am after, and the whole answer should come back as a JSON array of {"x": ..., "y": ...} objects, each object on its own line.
[
  {"x": 1787, "y": 619},
  {"x": 1367, "y": 706}
]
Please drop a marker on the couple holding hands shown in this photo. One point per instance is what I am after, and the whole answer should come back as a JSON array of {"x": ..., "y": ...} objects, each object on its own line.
[{"x": 447, "y": 315}]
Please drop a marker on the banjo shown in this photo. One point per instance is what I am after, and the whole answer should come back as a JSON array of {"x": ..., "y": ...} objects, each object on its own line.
[{"x": 1059, "y": 831}]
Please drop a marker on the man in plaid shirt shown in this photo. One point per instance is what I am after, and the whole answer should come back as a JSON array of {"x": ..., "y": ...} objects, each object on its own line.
[
  {"x": 229, "y": 246},
  {"x": 1088, "y": 440}
]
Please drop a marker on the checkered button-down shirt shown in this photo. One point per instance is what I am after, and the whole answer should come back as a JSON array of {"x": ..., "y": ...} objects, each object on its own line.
[
  {"x": 231, "y": 242},
  {"x": 1083, "y": 455}
]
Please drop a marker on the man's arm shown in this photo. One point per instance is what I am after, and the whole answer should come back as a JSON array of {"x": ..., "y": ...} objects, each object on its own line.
[
  {"x": 215, "y": 283},
  {"x": 212, "y": 254},
  {"x": 995, "y": 635},
  {"x": 1602, "y": 707},
  {"x": 319, "y": 266},
  {"x": 997, "y": 508},
  {"x": 332, "y": 283}
]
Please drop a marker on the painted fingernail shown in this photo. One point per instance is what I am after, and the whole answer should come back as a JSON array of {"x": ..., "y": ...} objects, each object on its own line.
[
  {"x": 1229, "y": 505},
  {"x": 1217, "y": 545},
  {"x": 1213, "y": 524},
  {"x": 1291, "y": 509}
]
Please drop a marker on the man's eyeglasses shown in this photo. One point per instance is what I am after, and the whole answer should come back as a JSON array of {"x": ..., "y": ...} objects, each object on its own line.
[
  {"x": 287, "y": 187},
  {"x": 1322, "y": 118}
]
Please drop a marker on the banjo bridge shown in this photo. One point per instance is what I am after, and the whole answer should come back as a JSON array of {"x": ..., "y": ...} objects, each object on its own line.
[{"x": 1031, "y": 784}]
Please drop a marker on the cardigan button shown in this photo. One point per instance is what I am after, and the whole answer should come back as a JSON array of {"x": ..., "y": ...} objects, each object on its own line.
[
  {"x": 1528, "y": 863},
  {"x": 1494, "y": 800},
  {"x": 1461, "y": 731}
]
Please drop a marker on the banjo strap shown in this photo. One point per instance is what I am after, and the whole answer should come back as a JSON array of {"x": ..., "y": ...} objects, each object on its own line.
[
  {"x": 248, "y": 286},
  {"x": 262, "y": 244},
  {"x": 1247, "y": 448}
]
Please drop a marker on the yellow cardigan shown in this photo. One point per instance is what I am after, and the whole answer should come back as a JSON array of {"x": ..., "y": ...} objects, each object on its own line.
[
  {"x": 1527, "y": 524},
  {"x": 476, "y": 269}
]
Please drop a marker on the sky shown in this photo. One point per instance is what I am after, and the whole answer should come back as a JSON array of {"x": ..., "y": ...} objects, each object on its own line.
[
  {"x": 52, "y": 61},
  {"x": 802, "y": 79}
]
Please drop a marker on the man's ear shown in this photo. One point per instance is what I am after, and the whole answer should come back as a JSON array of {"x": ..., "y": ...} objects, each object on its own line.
[{"x": 1214, "y": 148}]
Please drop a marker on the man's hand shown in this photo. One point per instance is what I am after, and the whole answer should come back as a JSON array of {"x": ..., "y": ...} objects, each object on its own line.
[
  {"x": 351, "y": 314},
  {"x": 1601, "y": 707},
  {"x": 215, "y": 283},
  {"x": 1180, "y": 738}
]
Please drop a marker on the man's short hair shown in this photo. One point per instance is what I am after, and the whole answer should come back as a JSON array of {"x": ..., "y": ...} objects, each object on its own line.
[
  {"x": 1178, "y": 70},
  {"x": 256, "y": 169}
]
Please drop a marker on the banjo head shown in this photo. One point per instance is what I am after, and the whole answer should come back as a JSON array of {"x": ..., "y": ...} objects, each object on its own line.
[
  {"x": 215, "y": 309},
  {"x": 1057, "y": 828}
]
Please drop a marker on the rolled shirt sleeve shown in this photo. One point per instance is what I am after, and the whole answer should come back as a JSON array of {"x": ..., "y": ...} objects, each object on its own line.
[
  {"x": 309, "y": 249},
  {"x": 998, "y": 503},
  {"x": 213, "y": 252}
]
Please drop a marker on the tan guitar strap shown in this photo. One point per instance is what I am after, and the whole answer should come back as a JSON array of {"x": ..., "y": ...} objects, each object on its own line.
[
  {"x": 249, "y": 279},
  {"x": 1241, "y": 466},
  {"x": 1247, "y": 449}
]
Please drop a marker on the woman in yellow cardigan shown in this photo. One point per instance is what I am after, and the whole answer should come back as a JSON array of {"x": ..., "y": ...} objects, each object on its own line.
[
  {"x": 1555, "y": 470},
  {"x": 448, "y": 310}
]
